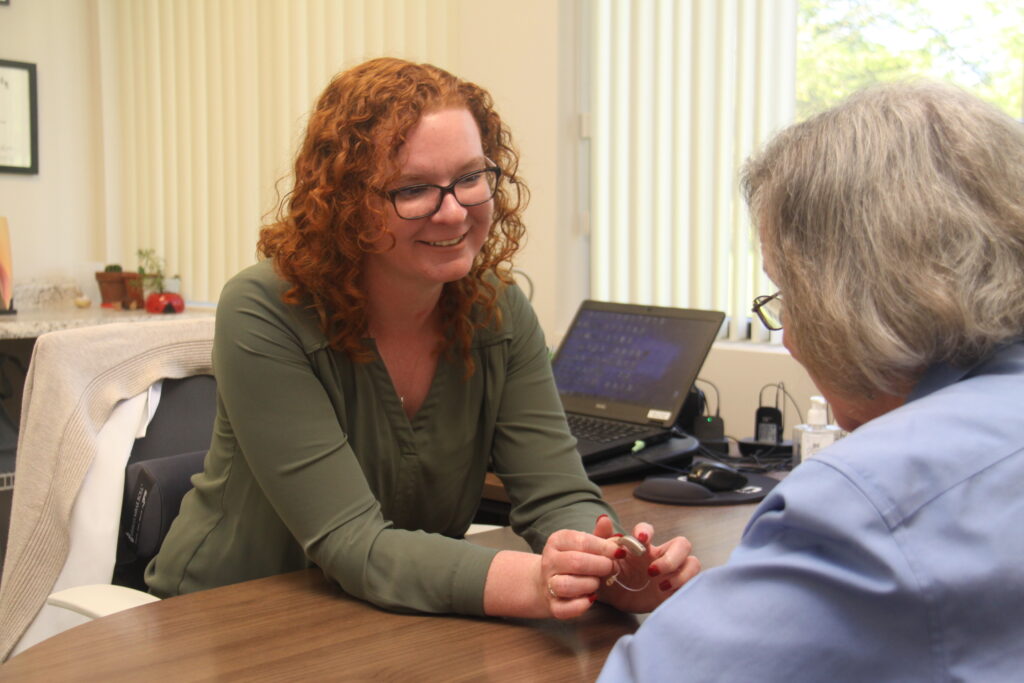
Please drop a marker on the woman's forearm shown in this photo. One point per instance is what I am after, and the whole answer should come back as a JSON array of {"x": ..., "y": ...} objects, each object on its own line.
[{"x": 513, "y": 587}]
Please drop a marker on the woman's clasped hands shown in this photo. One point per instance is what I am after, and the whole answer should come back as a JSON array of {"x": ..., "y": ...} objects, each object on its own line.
[{"x": 578, "y": 568}]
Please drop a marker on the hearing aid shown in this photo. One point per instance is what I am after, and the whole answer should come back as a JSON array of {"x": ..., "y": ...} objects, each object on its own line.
[
  {"x": 636, "y": 549},
  {"x": 632, "y": 544}
]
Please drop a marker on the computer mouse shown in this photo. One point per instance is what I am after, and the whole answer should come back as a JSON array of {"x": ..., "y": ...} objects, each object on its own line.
[
  {"x": 672, "y": 490},
  {"x": 716, "y": 476}
]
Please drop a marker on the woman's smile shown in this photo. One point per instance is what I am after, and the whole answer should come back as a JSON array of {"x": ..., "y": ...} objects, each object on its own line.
[{"x": 446, "y": 243}]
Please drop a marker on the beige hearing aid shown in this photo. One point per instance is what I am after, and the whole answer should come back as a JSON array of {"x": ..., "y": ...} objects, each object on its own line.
[
  {"x": 636, "y": 549},
  {"x": 632, "y": 544}
]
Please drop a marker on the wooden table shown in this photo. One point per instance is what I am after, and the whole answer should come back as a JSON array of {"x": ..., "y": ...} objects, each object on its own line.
[{"x": 299, "y": 626}]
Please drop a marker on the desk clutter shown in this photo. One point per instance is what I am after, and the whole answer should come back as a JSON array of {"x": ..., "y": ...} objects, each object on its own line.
[{"x": 678, "y": 475}]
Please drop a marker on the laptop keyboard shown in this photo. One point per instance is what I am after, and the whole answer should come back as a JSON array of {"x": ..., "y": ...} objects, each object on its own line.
[{"x": 602, "y": 431}]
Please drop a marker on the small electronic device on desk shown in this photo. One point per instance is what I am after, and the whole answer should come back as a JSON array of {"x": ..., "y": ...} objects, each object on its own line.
[{"x": 769, "y": 425}]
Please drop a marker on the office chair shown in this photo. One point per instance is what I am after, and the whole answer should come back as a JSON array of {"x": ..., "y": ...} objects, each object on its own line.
[
  {"x": 157, "y": 477},
  {"x": 88, "y": 395},
  {"x": 159, "y": 472}
]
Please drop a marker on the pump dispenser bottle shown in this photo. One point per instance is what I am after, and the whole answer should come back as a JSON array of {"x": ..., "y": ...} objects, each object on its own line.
[{"x": 816, "y": 434}]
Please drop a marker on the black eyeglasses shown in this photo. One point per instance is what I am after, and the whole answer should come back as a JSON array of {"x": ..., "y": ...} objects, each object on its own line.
[
  {"x": 421, "y": 201},
  {"x": 769, "y": 310}
]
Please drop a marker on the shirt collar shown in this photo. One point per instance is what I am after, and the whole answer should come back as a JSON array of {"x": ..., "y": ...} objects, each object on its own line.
[{"x": 944, "y": 374}]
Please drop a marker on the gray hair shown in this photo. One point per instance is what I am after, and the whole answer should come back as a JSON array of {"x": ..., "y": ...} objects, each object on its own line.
[{"x": 895, "y": 225}]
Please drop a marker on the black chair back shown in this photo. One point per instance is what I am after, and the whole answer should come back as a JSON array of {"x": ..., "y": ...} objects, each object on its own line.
[{"x": 160, "y": 470}]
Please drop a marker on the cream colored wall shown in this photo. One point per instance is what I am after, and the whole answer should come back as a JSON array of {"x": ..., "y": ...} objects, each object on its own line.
[
  {"x": 55, "y": 217},
  {"x": 527, "y": 59}
]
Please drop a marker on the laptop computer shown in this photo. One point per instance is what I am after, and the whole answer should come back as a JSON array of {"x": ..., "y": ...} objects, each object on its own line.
[{"x": 623, "y": 372}]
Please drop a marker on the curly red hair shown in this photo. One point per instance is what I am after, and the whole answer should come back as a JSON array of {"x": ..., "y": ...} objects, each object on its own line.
[{"x": 333, "y": 214}]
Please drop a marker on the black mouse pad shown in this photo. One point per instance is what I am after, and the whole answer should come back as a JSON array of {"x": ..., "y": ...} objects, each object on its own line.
[{"x": 673, "y": 491}]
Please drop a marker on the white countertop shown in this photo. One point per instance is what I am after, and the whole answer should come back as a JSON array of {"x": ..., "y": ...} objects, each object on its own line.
[{"x": 31, "y": 323}]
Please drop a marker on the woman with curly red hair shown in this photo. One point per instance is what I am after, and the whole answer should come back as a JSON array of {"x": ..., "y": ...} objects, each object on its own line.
[{"x": 378, "y": 360}]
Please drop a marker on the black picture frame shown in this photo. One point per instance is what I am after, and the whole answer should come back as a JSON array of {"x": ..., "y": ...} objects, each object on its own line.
[{"x": 19, "y": 128}]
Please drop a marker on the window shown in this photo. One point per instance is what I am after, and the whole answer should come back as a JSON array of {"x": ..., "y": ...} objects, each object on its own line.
[
  {"x": 680, "y": 94},
  {"x": 844, "y": 45}
]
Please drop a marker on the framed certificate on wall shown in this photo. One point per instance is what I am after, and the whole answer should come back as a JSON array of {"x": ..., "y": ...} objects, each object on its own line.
[{"x": 19, "y": 136}]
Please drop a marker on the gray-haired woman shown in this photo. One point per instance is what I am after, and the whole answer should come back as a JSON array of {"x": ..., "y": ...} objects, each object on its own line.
[{"x": 893, "y": 227}]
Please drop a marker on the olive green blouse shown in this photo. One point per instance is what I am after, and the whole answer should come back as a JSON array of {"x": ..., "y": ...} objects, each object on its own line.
[{"x": 314, "y": 462}]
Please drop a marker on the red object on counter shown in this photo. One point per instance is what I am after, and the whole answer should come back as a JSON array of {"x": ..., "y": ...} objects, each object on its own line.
[{"x": 165, "y": 302}]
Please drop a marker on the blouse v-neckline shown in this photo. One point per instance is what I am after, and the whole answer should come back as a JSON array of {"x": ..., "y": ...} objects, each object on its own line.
[{"x": 391, "y": 400}]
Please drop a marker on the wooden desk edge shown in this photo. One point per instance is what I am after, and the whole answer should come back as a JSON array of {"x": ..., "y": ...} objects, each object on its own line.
[{"x": 494, "y": 489}]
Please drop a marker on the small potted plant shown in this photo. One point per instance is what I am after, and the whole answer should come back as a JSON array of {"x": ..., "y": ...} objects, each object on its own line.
[
  {"x": 112, "y": 289},
  {"x": 134, "y": 298},
  {"x": 151, "y": 277}
]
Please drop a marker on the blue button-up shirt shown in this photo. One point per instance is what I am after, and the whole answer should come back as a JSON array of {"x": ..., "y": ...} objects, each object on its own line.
[{"x": 897, "y": 554}]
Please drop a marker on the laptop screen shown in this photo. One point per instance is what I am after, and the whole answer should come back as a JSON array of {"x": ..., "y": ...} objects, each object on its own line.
[{"x": 631, "y": 362}]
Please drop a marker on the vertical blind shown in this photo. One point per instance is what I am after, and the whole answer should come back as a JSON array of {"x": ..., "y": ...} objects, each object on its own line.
[
  {"x": 681, "y": 92},
  {"x": 204, "y": 104}
]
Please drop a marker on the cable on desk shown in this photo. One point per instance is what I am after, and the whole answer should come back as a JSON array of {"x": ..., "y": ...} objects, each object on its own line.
[
  {"x": 758, "y": 463},
  {"x": 718, "y": 397}
]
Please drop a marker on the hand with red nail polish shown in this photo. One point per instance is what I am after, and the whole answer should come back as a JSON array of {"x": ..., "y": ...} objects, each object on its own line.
[
  {"x": 637, "y": 561},
  {"x": 573, "y": 565}
]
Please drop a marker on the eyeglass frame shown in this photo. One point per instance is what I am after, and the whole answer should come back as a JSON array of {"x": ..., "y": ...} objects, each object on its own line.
[
  {"x": 762, "y": 301},
  {"x": 445, "y": 191}
]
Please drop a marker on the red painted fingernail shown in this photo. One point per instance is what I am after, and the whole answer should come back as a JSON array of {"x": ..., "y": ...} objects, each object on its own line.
[
  {"x": 592, "y": 597},
  {"x": 620, "y": 553},
  {"x": 653, "y": 571},
  {"x": 616, "y": 535},
  {"x": 643, "y": 537},
  {"x": 600, "y": 517},
  {"x": 665, "y": 585}
]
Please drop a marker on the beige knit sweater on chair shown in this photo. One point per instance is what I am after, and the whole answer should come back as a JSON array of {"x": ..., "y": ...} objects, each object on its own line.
[{"x": 75, "y": 379}]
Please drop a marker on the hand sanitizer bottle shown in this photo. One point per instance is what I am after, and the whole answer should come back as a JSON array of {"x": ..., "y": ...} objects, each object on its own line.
[{"x": 816, "y": 434}]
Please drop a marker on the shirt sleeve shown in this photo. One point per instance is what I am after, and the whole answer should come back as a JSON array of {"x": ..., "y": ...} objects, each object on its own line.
[
  {"x": 292, "y": 440},
  {"x": 818, "y": 590},
  {"x": 534, "y": 454}
]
